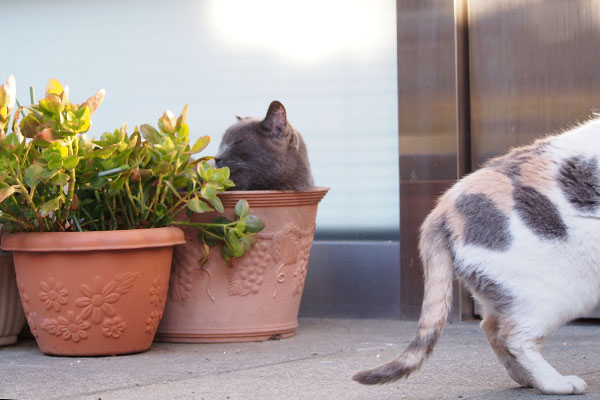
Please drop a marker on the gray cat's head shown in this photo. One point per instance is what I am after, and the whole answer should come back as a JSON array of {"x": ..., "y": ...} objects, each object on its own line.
[{"x": 267, "y": 154}]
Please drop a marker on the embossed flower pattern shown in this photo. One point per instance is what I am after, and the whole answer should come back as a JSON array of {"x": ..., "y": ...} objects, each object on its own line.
[
  {"x": 71, "y": 327},
  {"x": 96, "y": 300},
  {"x": 158, "y": 293},
  {"x": 152, "y": 322},
  {"x": 113, "y": 327},
  {"x": 24, "y": 297},
  {"x": 53, "y": 295}
]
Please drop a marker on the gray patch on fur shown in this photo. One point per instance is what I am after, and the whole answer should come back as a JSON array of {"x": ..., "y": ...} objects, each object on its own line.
[
  {"x": 480, "y": 283},
  {"x": 389, "y": 372},
  {"x": 486, "y": 225},
  {"x": 539, "y": 213},
  {"x": 426, "y": 342},
  {"x": 510, "y": 164},
  {"x": 578, "y": 178}
]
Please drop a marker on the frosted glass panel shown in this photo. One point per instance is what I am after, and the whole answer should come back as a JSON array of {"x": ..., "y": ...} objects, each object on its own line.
[{"x": 332, "y": 63}]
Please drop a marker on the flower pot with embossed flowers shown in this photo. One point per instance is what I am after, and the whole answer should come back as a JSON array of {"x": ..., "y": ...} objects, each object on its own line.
[
  {"x": 256, "y": 298},
  {"x": 89, "y": 220},
  {"x": 93, "y": 293}
]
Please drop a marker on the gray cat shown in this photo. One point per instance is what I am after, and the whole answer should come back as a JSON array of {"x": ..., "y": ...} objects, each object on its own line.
[{"x": 267, "y": 154}]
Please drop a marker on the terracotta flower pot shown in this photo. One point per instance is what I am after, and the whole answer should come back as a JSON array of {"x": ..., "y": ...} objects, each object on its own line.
[
  {"x": 12, "y": 318},
  {"x": 93, "y": 293},
  {"x": 259, "y": 297}
]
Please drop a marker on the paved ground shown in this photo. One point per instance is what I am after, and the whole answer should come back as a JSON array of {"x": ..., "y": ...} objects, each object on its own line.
[{"x": 315, "y": 364}]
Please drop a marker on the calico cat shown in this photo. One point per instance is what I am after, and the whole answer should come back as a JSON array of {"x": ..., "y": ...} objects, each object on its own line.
[
  {"x": 267, "y": 154},
  {"x": 523, "y": 234}
]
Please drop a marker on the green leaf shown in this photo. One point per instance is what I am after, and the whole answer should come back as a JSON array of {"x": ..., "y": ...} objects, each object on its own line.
[
  {"x": 253, "y": 224},
  {"x": 198, "y": 206},
  {"x": 208, "y": 192},
  {"x": 200, "y": 145},
  {"x": 116, "y": 186},
  {"x": 227, "y": 254},
  {"x": 32, "y": 175},
  {"x": 59, "y": 179},
  {"x": 55, "y": 164},
  {"x": 242, "y": 208},
  {"x": 98, "y": 181},
  {"x": 50, "y": 206},
  {"x": 29, "y": 126},
  {"x": 150, "y": 134},
  {"x": 103, "y": 153},
  {"x": 236, "y": 246},
  {"x": 162, "y": 168},
  {"x": 48, "y": 173},
  {"x": 71, "y": 162},
  {"x": 6, "y": 192},
  {"x": 168, "y": 122},
  {"x": 208, "y": 239}
]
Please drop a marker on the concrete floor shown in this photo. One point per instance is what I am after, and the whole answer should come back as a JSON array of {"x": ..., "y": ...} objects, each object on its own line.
[{"x": 315, "y": 364}]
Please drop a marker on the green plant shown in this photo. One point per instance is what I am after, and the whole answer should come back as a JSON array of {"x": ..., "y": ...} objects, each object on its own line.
[{"x": 53, "y": 177}]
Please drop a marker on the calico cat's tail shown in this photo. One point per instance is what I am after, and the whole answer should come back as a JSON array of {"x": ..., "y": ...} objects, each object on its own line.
[{"x": 434, "y": 246}]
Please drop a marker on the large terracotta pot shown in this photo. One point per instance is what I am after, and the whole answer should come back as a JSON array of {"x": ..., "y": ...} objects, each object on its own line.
[
  {"x": 12, "y": 318},
  {"x": 259, "y": 297},
  {"x": 93, "y": 293}
]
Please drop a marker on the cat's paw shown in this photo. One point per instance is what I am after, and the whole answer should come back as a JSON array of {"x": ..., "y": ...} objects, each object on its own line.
[{"x": 565, "y": 385}]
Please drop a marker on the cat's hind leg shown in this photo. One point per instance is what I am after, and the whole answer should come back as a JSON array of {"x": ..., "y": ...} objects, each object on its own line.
[
  {"x": 526, "y": 352},
  {"x": 491, "y": 329}
]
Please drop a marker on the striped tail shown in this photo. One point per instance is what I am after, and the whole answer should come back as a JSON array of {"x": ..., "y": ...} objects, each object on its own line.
[{"x": 437, "y": 259}]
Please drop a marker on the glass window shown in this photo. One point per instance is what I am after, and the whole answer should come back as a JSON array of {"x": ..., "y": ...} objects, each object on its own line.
[{"x": 332, "y": 63}]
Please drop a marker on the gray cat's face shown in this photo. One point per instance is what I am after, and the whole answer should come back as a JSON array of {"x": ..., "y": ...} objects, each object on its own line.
[{"x": 266, "y": 154}]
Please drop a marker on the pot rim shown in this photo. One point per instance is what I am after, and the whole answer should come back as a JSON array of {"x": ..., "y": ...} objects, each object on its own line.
[
  {"x": 274, "y": 198},
  {"x": 93, "y": 240}
]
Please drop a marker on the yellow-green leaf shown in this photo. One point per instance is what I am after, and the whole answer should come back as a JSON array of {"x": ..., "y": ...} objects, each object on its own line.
[
  {"x": 6, "y": 192},
  {"x": 54, "y": 87},
  {"x": 50, "y": 206},
  {"x": 200, "y": 145}
]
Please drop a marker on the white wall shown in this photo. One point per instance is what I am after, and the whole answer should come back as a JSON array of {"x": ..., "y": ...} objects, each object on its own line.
[{"x": 331, "y": 62}]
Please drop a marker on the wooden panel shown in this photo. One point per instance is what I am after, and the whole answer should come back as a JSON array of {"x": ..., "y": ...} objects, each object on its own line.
[{"x": 533, "y": 70}]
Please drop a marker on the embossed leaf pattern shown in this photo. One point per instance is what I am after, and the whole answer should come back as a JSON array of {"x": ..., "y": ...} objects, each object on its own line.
[
  {"x": 185, "y": 258},
  {"x": 125, "y": 282},
  {"x": 294, "y": 246},
  {"x": 53, "y": 295}
]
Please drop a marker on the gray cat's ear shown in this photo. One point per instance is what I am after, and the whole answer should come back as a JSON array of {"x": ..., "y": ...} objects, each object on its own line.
[
  {"x": 238, "y": 118},
  {"x": 275, "y": 120}
]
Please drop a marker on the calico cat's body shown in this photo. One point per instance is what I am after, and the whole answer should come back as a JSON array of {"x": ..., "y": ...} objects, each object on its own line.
[
  {"x": 523, "y": 234},
  {"x": 267, "y": 154}
]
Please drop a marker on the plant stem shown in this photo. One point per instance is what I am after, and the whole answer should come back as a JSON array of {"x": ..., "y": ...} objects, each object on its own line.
[
  {"x": 131, "y": 199},
  {"x": 125, "y": 213},
  {"x": 30, "y": 202},
  {"x": 154, "y": 201},
  {"x": 110, "y": 210},
  {"x": 72, "y": 180}
]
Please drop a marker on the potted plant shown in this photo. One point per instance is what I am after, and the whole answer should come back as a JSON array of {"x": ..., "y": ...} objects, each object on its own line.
[
  {"x": 255, "y": 297},
  {"x": 12, "y": 318},
  {"x": 93, "y": 243},
  {"x": 258, "y": 296}
]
